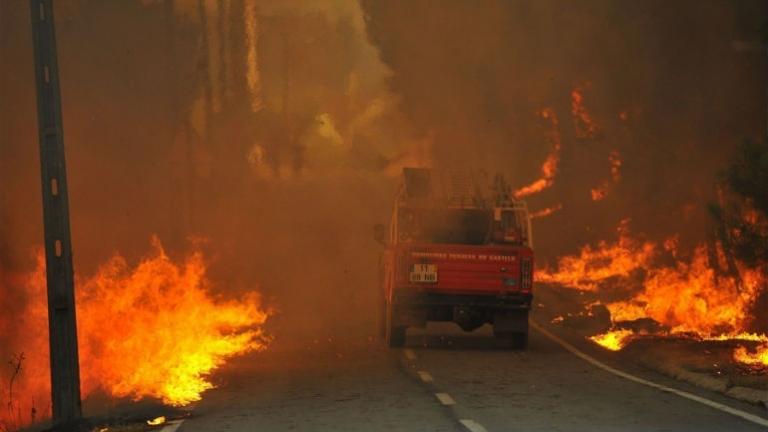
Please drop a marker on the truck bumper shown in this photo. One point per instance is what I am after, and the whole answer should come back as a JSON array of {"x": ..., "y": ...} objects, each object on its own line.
[
  {"x": 469, "y": 311},
  {"x": 504, "y": 302}
]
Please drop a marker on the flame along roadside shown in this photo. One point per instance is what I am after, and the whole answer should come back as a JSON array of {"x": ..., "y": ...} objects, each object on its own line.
[
  {"x": 154, "y": 329},
  {"x": 688, "y": 298}
]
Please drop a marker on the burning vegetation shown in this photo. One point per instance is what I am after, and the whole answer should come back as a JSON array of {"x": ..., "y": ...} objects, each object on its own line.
[
  {"x": 585, "y": 126},
  {"x": 600, "y": 192},
  {"x": 157, "y": 330},
  {"x": 150, "y": 330},
  {"x": 596, "y": 264},
  {"x": 685, "y": 295},
  {"x": 613, "y": 340},
  {"x": 255, "y": 114},
  {"x": 757, "y": 357}
]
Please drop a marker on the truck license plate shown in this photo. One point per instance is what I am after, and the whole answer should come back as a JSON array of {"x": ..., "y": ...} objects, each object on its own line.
[{"x": 424, "y": 273}]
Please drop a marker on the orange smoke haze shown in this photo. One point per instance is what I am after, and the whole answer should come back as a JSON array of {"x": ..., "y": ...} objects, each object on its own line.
[
  {"x": 267, "y": 127},
  {"x": 153, "y": 330},
  {"x": 281, "y": 124}
]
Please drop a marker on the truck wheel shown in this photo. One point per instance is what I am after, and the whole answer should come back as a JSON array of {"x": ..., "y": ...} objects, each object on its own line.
[
  {"x": 519, "y": 341},
  {"x": 394, "y": 334},
  {"x": 396, "y": 337},
  {"x": 512, "y": 326}
]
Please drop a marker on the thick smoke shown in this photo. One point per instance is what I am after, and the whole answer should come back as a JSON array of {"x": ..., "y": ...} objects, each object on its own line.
[
  {"x": 662, "y": 81},
  {"x": 264, "y": 127},
  {"x": 272, "y": 129},
  {"x": 261, "y": 131}
]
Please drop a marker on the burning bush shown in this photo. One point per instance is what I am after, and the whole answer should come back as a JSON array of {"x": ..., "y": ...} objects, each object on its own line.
[
  {"x": 150, "y": 330},
  {"x": 687, "y": 297}
]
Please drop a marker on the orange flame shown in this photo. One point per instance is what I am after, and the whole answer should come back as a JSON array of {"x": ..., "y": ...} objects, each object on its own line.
[
  {"x": 153, "y": 330},
  {"x": 594, "y": 265},
  {"x": 546, "y": 212},
  {"x": 550, "y": 165},
  {"x": 156, "y": 421},
  {"x": 600, "y": 192},
  {"x": 613, "y": 340},
  {"x": 585, "y": 126},
  {"x": 156, "y": 331},
  {"x": 759, "y": 357},
  {"x": 688, "y": 298}
]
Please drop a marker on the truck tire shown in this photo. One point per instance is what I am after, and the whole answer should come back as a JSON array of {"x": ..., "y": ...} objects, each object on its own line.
[
  {"x": 512, "y": 326},
  {"x": 519, "y": 341},
  {"x": 394, "y": 334}
]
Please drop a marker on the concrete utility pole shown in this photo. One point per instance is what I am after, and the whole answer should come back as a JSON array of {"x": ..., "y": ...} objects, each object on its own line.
[{"x": 62, "y": 328}]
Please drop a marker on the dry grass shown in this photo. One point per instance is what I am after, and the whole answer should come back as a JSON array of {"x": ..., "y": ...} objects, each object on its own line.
[{"x": 13, "y": 419}]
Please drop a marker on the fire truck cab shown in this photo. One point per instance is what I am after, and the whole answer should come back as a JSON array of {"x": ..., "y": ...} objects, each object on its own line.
[{"x": 459, "y": 249}]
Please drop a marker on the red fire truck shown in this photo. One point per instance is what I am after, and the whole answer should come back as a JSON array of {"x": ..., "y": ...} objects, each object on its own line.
[{"x": 459, "y": 249}]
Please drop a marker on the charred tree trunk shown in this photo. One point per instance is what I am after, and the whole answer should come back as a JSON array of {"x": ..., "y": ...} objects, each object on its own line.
[{"x": 719, "y": 239}]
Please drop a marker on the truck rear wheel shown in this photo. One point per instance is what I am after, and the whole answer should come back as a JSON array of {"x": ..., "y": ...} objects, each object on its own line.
[
  {"x": 396, "y": 337},
  {"x": 394, "y": 334},
  {"x": 519, "y": 341},
  {"x": 512, "y": 326}
]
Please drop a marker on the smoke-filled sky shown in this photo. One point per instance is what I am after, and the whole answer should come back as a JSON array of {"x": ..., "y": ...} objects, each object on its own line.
[
  {"x": 263, "y": 132},
  {"x": 662, "y": 80},
  {"x": 270, "y": 133},
  {"x": 275, "y": 129}
]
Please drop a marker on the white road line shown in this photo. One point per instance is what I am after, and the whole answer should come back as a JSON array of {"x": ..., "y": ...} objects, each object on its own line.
[
  {"x": 425, "y": 376},
  {"x": 172, "y": 426},
  {"x": 472, "y": 425},
  {"x": 409, "y": 354},
  {"x": 718, "y": 406},
  {"x": 445, "y": 399}
]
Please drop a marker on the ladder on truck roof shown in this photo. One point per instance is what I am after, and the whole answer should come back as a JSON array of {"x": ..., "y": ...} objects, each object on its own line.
[
  {"x": 453, "y": 188},
  {"x": 463, "y": 189}
]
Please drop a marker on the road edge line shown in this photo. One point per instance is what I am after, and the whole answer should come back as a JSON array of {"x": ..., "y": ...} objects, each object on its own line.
[
  {"x": 445, "y": 398},
  {"x": 684, "y": 394},
  {"x": 172, "y": 426},
  {"x": 472, "y": 425},
  {"x": 425, "y": 376},
  {"x": 410, "y": 355},
  {"x": 408, "y": 364}
]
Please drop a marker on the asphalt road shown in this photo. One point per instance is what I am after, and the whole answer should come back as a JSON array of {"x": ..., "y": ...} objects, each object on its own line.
[{"x": 447, "y": 380}]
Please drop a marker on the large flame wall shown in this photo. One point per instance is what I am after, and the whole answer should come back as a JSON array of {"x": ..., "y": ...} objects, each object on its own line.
[{"x": 155, "y": 329}]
